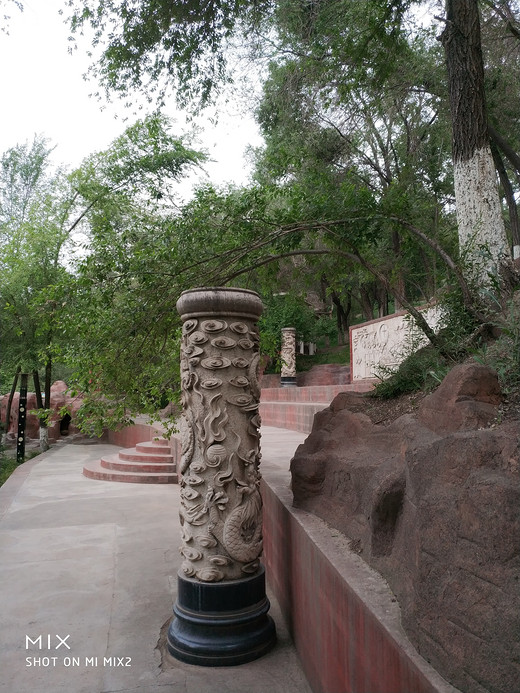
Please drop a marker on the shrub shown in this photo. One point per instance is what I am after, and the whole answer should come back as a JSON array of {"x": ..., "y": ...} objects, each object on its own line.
[{"x": 421, "y": 370}]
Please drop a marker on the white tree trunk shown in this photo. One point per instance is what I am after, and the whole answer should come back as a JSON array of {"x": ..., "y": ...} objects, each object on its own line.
[
  {"x": 44, "y": 438},
  {"x": 482, "y": 235}
]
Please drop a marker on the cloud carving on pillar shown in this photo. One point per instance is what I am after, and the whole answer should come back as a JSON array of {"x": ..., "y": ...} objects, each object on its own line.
[{"x": 221, "y": 506}]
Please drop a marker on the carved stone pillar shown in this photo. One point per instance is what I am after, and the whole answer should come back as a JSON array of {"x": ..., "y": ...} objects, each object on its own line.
[
  {"x": 221, "y": 608},
  {"x": 288, "y": 355}
]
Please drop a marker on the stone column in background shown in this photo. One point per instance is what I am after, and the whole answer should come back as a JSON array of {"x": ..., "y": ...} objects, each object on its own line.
[
  {"x": 288, "y": 357},
  {"x": 221, "y": 609}
]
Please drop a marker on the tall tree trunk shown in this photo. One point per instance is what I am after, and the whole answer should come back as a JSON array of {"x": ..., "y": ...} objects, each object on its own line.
[
  {"x": 399, "y": 278},
  {"x": 342, "y": 316},
  {"x": 509, "y": 194},
  {"x": 10, "y": 404},
  {"x": 382, "y": 299},
  {"x": 44, "y": 430},
  {"x": 479, "y": 213},
  {"x": 367, "y": 305},
  {"x": 48, "y": 383}
]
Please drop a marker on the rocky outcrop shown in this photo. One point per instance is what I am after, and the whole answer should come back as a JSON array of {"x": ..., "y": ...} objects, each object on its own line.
[
  {"x": 432, "y": 501},
  {"x": 59, "y": 424}
]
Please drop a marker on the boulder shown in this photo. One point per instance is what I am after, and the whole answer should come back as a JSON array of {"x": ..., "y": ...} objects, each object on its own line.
[
  {"x": 58, "y": 426},
  {"x": 465, "y": 400},
  {"x": 432, "y": 501}
]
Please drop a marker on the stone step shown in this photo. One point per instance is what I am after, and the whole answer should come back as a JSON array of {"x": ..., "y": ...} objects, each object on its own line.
[
  {"x": 314, "y": 393},
  {"x": 119, "y": 463},
  {"x": 158, "y": 444},
  {"x": 94, "y": 470},
  {"x": 294, "y": 407},
  {"x": 135, "y": 455},
  {"x": 150, "y": 462},
  {"x": 295, "y": 416}
]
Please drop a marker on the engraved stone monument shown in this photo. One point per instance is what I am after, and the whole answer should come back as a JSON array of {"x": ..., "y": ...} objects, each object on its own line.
[
  {"x": 220, "y": 616},
  {"x": 377, "y": 347},
  {"x": 288, "y": 356}
]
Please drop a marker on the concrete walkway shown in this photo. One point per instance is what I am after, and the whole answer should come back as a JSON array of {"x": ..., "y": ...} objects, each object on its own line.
[{"x": 91, "y": 567}]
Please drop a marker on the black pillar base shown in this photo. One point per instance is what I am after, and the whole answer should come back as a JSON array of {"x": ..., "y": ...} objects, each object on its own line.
[
  {"x": 288, "y": 381},
  {"x": 218, "y": 624}
]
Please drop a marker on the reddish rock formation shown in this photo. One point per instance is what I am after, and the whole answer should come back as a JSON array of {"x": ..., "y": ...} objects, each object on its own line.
[
  {"x": 465, "y": 400},
  {"x": 58, "y": 426},
  {"x": 432, "y": 501}
]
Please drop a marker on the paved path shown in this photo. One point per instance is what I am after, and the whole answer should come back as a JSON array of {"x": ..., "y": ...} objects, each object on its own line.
[{"x": 91, "y": 566}]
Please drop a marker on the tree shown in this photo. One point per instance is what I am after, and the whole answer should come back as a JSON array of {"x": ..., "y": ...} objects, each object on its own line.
[
  {"x": 148, "y": 45},
  {"x": 479, "y": 214},
  {"x": 351, "y": 43},
  {"x": 501, "y": 51},
  {"x": 7, "y": 4},
  {"x": 120, "y": 318},
  {"x": 387, "y": 140},
  {"x": 339, "y": 47},
  {"x": 62, "y": 234},
  {"x": 356, "y": 172},
  {"x": 35, "y": 202}
]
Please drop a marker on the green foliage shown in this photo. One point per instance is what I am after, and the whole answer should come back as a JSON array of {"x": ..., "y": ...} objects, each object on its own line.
[
  {"x": 151, "y": 45},
  {"x": 34, "y": 238},
  {"x": 7, "y": 467},
  {"x": 305, "y": 362},
  {"x": 363, "y": 151},
  {"x": 142, "y": 161},
  {"x": 284, "y": 310},
  {"x": 44, "y": 415},
  {"x": 120, "y": 318},
  {"x": 353, "y": 199},
  {"x": 9, "y": 464},
  {"x": 424, "y": 368},
  {"x": 111, "y": 320},
  {"x": 503, "y": 354},
  {"x": 421, "y": 370}
]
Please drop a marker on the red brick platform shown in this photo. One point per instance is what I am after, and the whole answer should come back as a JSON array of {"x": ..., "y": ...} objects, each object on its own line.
[
  {"x": 294, "y": 407},
  {"x": 150, "y": 462},
  {"x": 323, "y": 374}
]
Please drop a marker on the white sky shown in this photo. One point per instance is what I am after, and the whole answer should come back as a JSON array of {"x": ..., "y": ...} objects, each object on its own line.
[{"x": 43, "y": 92}]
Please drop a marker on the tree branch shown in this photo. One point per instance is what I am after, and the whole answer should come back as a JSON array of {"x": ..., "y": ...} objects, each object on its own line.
[{"x": 466, "y": 293}]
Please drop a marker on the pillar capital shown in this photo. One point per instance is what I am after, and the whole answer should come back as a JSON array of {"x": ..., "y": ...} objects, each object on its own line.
[{"x": 219, "y": 300}]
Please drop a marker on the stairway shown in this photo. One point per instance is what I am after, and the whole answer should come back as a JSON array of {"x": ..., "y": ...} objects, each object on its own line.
[
  {"x": 150, "y": 462},
  {"x": 294, "y": 407}
]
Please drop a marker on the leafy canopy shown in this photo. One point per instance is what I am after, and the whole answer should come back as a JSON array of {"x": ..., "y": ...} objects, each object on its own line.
[{"x": 148, "y": 44}]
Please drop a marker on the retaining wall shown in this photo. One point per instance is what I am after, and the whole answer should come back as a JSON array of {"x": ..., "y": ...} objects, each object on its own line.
[
  {"x": 294, "y": 407},
  {"x": 343, "y": 619},
  {"x": 342, "y": 616},
  {"x": 323, "y": 374},
  {"x": 139, "y": 433}
]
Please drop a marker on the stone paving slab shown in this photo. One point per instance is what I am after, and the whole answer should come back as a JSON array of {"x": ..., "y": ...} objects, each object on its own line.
[{"x": 91, "y": 566}]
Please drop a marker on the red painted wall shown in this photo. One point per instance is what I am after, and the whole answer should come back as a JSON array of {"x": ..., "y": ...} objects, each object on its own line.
[
  {"x": 345, "y": 638},
  {"x": 294, "y": 407},
  {"x": 139, "y": 433}
]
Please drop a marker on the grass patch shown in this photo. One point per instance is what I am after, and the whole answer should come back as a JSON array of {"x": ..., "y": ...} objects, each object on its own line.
[
  {"x": 304, "y": 362},
  {"x": 503, "y": 354},
  {"x": 422, "y": 370},
  {"x": 7, "y": 467},
  {"x": 339, "y": 355},
  {"x": 8, "y": 464}
]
